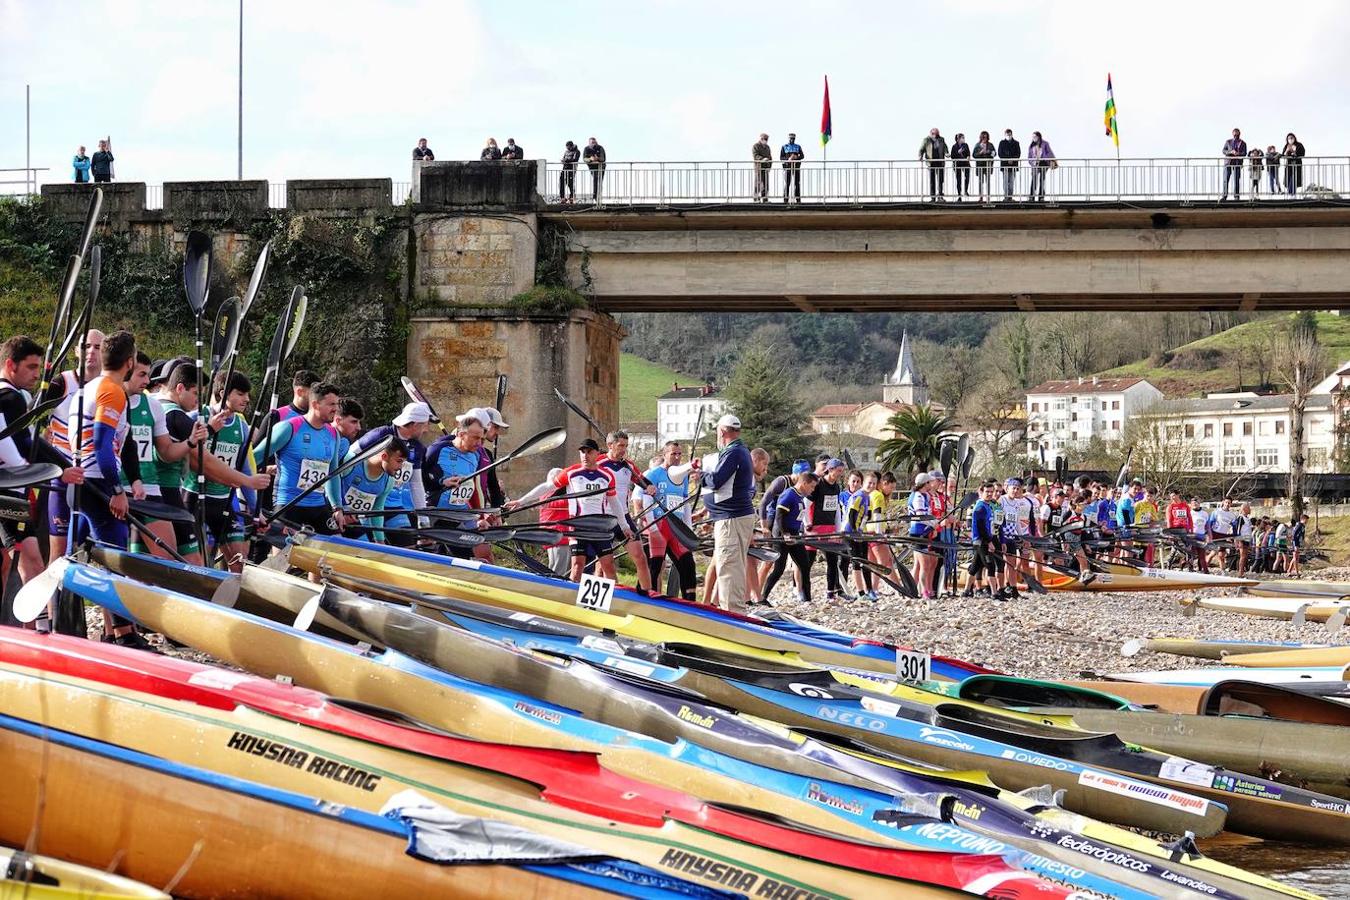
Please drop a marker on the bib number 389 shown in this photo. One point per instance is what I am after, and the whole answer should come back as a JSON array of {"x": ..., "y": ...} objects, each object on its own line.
[
  {"x": 911, "y": 665},
  {"x": 595, "y": 593}
]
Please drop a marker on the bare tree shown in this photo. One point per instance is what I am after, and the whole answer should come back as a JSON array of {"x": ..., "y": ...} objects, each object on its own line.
[
  {"x": 995, "y": 417},
  {"x": 1300, "y": 364}
]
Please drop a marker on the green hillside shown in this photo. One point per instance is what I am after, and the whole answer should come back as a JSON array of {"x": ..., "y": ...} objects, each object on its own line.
[
  {"x": 1214, "y": 363},
  {"x": 640, "y": 383}
]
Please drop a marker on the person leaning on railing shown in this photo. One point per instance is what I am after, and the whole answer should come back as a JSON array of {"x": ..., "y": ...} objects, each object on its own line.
[
  {"x": 961, "y": 166},
  {"x": 594, "y": 158},
  {"x": 1273, "y": 168},
  {"x": 1293, "y": 164},
  {"x": 791, "y": 155},
  {"x": 933, "y": 151},
  {"x": 762, "y": 154},
  {"x": 984, "y": 164},
  {"x": 567, "y": 178},
  {"x": 1235, "y": 149},
  {"x": 1041, "y": 159}
]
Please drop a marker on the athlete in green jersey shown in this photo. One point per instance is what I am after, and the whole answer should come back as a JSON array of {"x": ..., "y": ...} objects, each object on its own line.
[{"x": 232, "y": 470}]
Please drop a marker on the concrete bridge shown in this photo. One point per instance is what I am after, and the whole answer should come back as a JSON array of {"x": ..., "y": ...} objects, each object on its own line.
[{"x": 475, "y": 231}]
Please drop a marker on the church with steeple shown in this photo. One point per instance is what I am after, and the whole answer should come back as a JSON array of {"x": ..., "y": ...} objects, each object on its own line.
[{"x": 905, "y": 386}]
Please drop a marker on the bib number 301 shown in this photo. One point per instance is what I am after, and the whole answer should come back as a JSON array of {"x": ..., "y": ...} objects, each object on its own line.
[
  {"x": 911, "y": 665},
  {"x": 595, "y": 593}
]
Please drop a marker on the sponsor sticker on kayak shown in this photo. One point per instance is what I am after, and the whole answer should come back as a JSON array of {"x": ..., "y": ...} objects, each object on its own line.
[
  {"x": 1247, "y": 787},
  {"x": 912, "y": 665},
  {"x": 1177, "y": 769},
  {"x": 595, "y": 593},
  {"x": 1139, "y": 790}
]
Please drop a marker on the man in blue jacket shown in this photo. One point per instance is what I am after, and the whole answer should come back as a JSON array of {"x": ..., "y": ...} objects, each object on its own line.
[{"x": 729, "y": 490}]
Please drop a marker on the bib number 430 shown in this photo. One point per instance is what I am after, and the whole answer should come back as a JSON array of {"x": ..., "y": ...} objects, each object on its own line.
[
  {"x": 595, "y": 593},
  {"x": 911, "y": 665}
]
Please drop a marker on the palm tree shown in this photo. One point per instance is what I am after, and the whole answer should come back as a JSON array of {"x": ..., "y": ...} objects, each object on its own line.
[{"x": 918, "y": 433}]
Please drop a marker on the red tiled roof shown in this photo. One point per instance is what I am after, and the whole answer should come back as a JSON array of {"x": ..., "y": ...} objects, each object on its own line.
[
  {"x": 832, "y": 410},
  {"x": 1072, "y": 386}
]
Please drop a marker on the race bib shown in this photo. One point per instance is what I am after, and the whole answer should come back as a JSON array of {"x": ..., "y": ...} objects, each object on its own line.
[
  {"x": 672, "y": 501},
  {"x": 226, "y": 453},
  {"x": 359, "y": 500},
  {"x": 144, "y": 437},
  {"x": 403, "y": 477},
  {"x": 830, "y": 504},
  {"x": 462, "y": 493},
  {"x": 998, "y": 516},
  {"x": 1056, "y": 520},
  {"x": 312, "y": 471}
]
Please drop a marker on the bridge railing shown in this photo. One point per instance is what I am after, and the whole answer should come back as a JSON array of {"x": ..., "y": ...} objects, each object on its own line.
[
  {"x": 276, "y": 194},
  {"x": 1183, "y": 179}
]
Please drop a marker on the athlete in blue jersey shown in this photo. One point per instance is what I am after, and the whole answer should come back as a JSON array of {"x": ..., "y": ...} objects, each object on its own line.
[
  {"x": 369, "y": 486},
  {"x": 457, "y": 461},
  {"x": 306, "y": 450},
  {"x": 407, "y": 491},
  {"x": 789, "y": 521}
]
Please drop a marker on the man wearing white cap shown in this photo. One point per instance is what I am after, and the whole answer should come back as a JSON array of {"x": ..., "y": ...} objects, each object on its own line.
[
  {"x": 431, "y": 471},
  {"x": 730, "y": 479},
  {"x": 407, "y": 490}
]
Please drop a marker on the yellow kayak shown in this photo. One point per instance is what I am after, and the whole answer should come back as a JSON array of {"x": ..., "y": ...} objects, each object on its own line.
[
  {"x": 1312, "y": 609},
  {"x": 1309, "y": 657},
  {"x": 25, "y": 876}
]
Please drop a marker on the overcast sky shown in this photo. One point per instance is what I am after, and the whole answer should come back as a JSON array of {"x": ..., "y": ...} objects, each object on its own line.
[{"x": 345, "y": 87}]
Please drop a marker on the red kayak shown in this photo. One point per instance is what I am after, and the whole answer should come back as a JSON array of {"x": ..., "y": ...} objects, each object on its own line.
[{"x": 571, "y": 779}]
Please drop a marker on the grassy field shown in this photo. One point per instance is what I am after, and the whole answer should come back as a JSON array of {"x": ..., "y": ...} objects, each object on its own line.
[
  {"x": 1212, "y": 363},
  {"x": 640, "y": 383}
]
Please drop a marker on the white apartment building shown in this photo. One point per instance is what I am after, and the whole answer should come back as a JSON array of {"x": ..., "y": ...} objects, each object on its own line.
[
  {"x": 1244, "y": 432},
  {"x": 1061, "y": 414},
  {"x": 677, "y": 411}
]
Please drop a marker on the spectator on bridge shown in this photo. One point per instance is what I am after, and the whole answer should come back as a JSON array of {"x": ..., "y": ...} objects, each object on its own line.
[
  {"x": 1235, "y": 149},
  {"x": 791, "y": 155},
  {"x": 1041, "y": 159},
  {"x": 762, "y": 154},
  {"x": 512, "y": 150},
  {"x": 567, "y": 179},
  {"x": 594, "y": 157},
  {"x": 102, "y": 163},
  {"x": 933, "y": 151},
  {"x": 1009, "y": 154},
  {"x": 491, "y": 151},
  {"x": 1293, "y": 164},
  {"x": 81, "y": 164},
  {"x": 422, "y": 153},
  {"x": 961, "y": 166},
  {"x": 1256, "y": 160},
  {"x": 984, "y": 163},
  {"x": 1273, "y": 168}
]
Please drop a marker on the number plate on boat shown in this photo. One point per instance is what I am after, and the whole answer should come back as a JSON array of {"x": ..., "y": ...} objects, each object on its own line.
[
  {"x": 595, "y": 593},
  {"x": 911, "y": 665}
]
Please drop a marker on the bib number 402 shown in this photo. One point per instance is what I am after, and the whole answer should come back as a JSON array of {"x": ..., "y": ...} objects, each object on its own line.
[
  {"x": 595, "y": 593},
  {"x": 911, "y": 665}
]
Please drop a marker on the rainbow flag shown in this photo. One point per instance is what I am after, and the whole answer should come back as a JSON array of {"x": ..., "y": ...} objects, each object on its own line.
[
  {"x": 826, "y": 129},
  {"x": 1112, "y": 130}
]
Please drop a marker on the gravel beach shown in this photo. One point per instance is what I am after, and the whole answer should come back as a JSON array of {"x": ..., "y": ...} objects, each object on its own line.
[{"x": 1059, "y": 635}]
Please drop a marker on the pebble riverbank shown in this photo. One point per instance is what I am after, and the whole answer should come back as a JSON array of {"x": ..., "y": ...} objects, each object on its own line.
[{"x": 1058, "y": 635}]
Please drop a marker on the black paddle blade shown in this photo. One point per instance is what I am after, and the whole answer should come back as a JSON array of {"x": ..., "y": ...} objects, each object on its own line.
[
  {"x": 155, "y": 509},
  {"x": 12, "y": 477},
  {"x": 95, "y": 273},
  {"x": 680, "y": 530},
  {"x": 1124, "y": 472},
  {"x": 962, "y": 449},
  {"x": 967, "y": 460},
  {"x": 91, "y": 214},
  {"x": 945, "y": 458},
  {"x": 256, "y": 279},
  {"x": 197, "y": 270},
  {"x": 37, "y": 413},
  {"x": 225, "y": 332},
  {"x": 530, "y": 564},
  {"x": 1042, "y": 456},
  {"x": 297, "y": 324},
  {"x": 415, "y": 394},
  {"x": 848, "y": 461},
  {"x": 501, "y": 392}
]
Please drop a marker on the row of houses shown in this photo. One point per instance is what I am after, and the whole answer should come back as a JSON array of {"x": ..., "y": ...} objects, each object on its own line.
[{"x": 1220, "y": 432}]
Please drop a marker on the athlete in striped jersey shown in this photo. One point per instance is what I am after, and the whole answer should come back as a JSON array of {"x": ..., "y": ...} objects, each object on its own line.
[
  {"x": 585, "y": 475},
  {"x": 626, "y": 477},
  {"x": 64, "y": 386}
]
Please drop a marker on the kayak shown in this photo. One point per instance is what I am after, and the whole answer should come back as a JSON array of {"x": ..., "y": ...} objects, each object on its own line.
[
  {"x": 1312, "y": 609},
  {"x": 1304, "y": 656},
  {"x": 24, "y": 876},
  {"x": 1312, "y": 701},
  {"x": 247, "y": 744},
  {"x": 1175, "y": 576},
  {"x": 177, "y": 825},
  {"x": 818, "y": 646},
  {"x": 831, "y": 706},
  {"x": 481, "y": 712},
  {"x": 1203, "y": 649},
  {"x": 1212, "y": 676},
  {"x": 1315, "y": 757},
  {"x": 1159, "y": 580},
  {"x": 1007, "y": 692},
  {"x": 1334, "y": 590}
]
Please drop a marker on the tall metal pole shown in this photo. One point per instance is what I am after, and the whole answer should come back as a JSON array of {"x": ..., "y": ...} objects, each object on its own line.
[
  {"x": 241, "y": 90},
  {"x": 30, "y": 181}
]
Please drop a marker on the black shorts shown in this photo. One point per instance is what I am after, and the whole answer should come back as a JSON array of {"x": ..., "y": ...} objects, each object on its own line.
[
  {"x": 983, "y": 561},
  {"x": 595, "y": 549},
  {"x": 316, "y": 518}
]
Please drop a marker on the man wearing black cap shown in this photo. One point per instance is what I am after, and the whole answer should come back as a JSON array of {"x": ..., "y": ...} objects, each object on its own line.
[{"x": 587, "y": 475}]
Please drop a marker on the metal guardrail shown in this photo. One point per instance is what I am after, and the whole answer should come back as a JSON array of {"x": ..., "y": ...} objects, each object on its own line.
[
  {"x": 276, "y": 194},
  {"x": 913, "y": 181},
  {"x": 19, "y": 187}
]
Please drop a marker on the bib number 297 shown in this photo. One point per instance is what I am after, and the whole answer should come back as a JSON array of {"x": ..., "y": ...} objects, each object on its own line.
[
  {"x": 595, "y": 593},
  {"x": 911, "y": 665}
]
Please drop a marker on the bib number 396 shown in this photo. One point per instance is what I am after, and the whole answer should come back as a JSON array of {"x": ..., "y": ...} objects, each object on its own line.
[
  {"x": 595, "y": 593},
  {"x": 911, "y": 665}
]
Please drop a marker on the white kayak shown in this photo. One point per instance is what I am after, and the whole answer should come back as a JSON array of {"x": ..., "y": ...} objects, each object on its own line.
[
  {"x": 1314, "y": 609},
  {"x": 1210, "y": 676},
  {"x": 1333, "y": 590}
]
